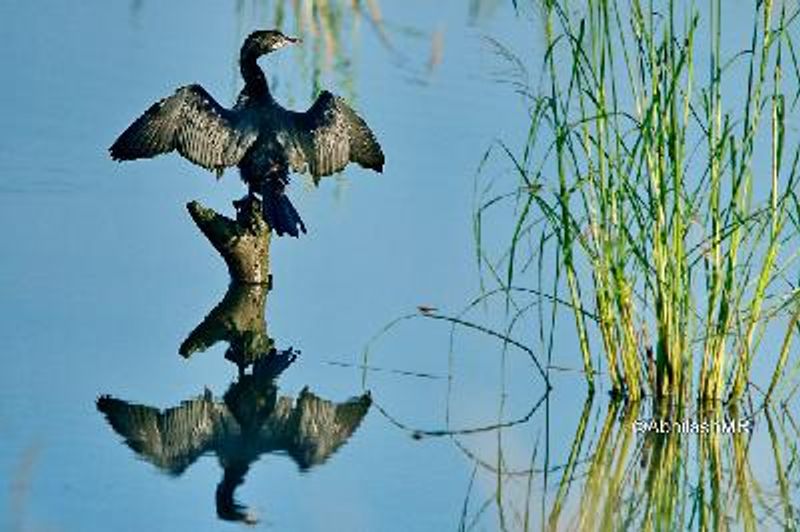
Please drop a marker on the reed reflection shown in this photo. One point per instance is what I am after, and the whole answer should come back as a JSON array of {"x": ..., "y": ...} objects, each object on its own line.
[{"x": 677, "y": 479}]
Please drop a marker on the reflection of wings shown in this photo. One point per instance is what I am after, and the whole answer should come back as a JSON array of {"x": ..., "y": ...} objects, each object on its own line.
[
  {"x": 193, "y": 123},
  {"x": 172, "y": 439},
  {"x": 309, "y": 430},
  {"x": 330, "y": 135},
  {"x": 317, "y": 428}
]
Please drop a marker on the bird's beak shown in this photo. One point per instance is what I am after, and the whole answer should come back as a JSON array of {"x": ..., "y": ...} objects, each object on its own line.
[{"x": 294, "y": 40}]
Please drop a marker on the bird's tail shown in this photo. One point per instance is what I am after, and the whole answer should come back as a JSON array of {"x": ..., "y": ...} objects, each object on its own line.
[{"x": 279, "y": 213}]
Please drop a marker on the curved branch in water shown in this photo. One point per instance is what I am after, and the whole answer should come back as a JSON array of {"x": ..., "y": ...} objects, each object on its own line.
[{"x": 418, "y": 433}]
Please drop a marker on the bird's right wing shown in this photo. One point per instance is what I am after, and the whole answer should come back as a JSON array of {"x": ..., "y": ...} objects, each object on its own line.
[
  {"x": 191, "y": 122},
  {"x": 328, "y": 136}
]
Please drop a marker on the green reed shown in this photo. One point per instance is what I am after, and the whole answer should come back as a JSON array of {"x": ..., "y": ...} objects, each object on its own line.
[{"x": 646, "y": 182}]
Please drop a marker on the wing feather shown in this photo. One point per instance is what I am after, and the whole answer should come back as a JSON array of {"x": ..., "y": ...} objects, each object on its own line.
[
  {"x": 191, "y": 122},
  {"x": 328, "y": 136},
  {"x": 171, "y": 439}
]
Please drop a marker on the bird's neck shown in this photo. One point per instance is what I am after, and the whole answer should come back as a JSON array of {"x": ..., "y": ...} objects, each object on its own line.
[{"x": 255, "y": 82}]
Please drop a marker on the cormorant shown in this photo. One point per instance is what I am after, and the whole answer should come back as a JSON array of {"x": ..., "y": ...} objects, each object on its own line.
[{"x": 259, "y": 136}]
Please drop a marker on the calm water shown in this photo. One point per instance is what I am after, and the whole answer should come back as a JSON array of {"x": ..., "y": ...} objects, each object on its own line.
[{"x": 103, "y": 276}]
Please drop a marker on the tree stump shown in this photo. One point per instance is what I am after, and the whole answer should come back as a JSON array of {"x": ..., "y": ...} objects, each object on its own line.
[{"x": 243, "y": 242}]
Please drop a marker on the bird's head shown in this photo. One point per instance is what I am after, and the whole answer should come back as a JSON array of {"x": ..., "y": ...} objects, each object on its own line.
[{"x": 263, "y": 42}]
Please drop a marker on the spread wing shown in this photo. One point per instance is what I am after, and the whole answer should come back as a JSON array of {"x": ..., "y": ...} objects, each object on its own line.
[
  {"x": 191, "y": 122},
  {"x": 317, "y": 427},
  {"x": 328, "y": 136},
  {"x": 171, "y": 439}
]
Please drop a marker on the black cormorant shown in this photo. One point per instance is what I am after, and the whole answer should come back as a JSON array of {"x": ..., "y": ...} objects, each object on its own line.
[{"x": 259, "y": 136}]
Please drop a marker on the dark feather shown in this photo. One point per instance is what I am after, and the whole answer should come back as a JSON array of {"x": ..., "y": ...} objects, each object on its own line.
[
  {"x": 173, "y": 438},
  {"x": 279, "y": 213},
  {"x": 328, "y": 136},
  {"x": 191, "y": 122}
]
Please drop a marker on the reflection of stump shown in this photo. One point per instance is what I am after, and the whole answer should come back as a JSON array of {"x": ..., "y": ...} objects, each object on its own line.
[
  {"x": 238, "y": 320},
  {"x": 243, "y": 243}
]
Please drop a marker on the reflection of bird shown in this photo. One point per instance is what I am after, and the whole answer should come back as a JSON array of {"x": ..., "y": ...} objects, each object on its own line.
[
  {"x": 259, "y": 136},
  {"x": 250, "y": 421}
]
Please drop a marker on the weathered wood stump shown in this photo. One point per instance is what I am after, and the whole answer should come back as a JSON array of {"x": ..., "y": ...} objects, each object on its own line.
[
  {"x": 243, "y": 242},
  {"x": 239, "y": 319}
]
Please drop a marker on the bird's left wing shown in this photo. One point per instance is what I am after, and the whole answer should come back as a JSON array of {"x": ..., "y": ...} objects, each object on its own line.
[
  {"x": 191, "y": 122},
  {"x": 171, "y": 439}
]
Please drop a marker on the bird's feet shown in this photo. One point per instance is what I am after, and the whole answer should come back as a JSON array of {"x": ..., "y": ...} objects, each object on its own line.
[
  {"x": 241, "y": 204},
  {"x": 248, "y": 211}
]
